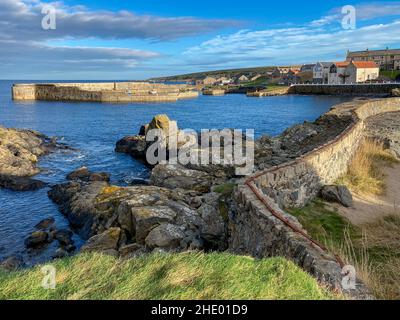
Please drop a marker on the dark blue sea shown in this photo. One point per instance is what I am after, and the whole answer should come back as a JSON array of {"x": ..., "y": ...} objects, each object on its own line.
[{"x": 92, "y": 129}]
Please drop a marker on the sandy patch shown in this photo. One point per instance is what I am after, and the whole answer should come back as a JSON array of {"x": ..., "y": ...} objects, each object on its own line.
[{"x": 368, "y": 208}]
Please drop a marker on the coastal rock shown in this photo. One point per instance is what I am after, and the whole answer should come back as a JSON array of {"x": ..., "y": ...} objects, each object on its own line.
[
  {"x": 20, "y": 150},
  {"x": 93, "y": 208},
  {"x": 64, "y": 237},
  {"x": 175, "y": 176},
  {"x": 147, "y": 218},
  {"x": 36, "y": 239},
  {"x": 131, "y": 250},
  {"x": 166, "y": 236},
  {"x": 135, "y": 146},
  {"x": 83, "y": 174},
  {"x": 45, "y": 223},
  {"x": 15, "y": 183},
  {"x": 60, "y": 253},
  {"x": 12, "y": 263},
  {"x": 104, "y": 242},
  {"x": 339, "y": 194}
]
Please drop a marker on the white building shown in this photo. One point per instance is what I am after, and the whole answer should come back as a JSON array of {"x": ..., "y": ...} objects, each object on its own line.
[
  {"x": 361, "y": 71},
  {"x": 337, "y": 73},
  {"x": 321, "y": 72}
]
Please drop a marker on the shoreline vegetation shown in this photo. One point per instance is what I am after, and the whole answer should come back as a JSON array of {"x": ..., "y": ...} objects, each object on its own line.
[{"x": 194, "y": 276}]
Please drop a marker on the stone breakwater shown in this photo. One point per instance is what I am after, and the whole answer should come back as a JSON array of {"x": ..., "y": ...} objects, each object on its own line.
[
  {"x": 351, "y": 89},
  {"x": 115, "y": 92},
  {"x": 262, "y": 228}
]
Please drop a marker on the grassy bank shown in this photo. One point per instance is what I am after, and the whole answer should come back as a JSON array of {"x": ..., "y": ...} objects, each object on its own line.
[
  {"x": 365, "y": 174},
  {"x": 166, "y": 276},
  {"x": 373, "y": 247}
]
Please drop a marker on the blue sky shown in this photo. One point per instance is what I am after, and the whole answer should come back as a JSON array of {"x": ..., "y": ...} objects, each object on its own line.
[{"x": 106, "y": 39}]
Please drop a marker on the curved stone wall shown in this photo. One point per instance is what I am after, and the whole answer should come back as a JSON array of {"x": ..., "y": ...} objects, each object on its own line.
[{"x": 262, "y": 228}]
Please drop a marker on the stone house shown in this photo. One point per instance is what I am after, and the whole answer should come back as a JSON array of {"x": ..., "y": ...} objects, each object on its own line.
[
  {"x": 321, "y": 72},
  {"x": 337, "y": 73},
  {"x": 361, "y": 71},
  {"x": 388, "y": 59}
]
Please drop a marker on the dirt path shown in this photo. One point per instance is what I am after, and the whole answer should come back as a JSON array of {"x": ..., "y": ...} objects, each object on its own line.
[{"x": 368, "y": 208}]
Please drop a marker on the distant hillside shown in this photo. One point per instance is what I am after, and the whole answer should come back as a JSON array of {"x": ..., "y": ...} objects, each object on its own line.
[{"x": 230, "y": 73}]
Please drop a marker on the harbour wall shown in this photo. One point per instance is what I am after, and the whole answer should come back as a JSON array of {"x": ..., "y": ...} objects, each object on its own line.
[{"x": 262, "y": 228}]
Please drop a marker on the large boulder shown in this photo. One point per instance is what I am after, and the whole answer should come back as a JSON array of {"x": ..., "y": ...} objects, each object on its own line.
[
  {"x": 83, "y": 174},
  {"x": 146, "y": 218},
  {"x": 36, "y": 239},
  {"x": 15, "y": 183},
  {"x": 176, "y": 176},
  {"x": 107, "y": 241},
  {"x": 20, "y": 151},
  {"x": 338, "y": 194},
  {"x": 135, "y": 146},
  {"x": 12, "y": 263},
  {"x": 165, "y": 236},
  {"x": 163, "y": 123},
  {"x": 45, "y": 223}
]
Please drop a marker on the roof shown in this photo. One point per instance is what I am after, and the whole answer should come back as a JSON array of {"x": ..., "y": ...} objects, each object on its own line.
[
  {"x": 368, "y": 53},
  {"x": 325, "y": 64},
  {"x": 342, "y": 64},
  {"x": 365, "y": 64}
]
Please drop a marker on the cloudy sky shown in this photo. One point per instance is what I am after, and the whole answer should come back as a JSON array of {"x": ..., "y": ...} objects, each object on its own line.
[{"x": 139, "y": 39}]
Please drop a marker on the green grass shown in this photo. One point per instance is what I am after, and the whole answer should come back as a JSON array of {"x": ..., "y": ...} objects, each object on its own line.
[
  {"x": 324, "y": 223},
  {"x": 194, "y": 276},
  {"x": 373, "y": 248},
  {"x": 391, "y": 74}
]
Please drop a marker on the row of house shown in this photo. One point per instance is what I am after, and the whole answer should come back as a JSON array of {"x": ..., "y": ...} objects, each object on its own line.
[
  {"x": 213, "y": 81},
  {"x": 345, "y": 72}
]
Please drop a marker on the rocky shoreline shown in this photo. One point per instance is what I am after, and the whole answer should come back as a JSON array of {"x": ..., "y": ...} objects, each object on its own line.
[
  {"x": 182, "y": 208},
  {"x": 20, "y": 151}
]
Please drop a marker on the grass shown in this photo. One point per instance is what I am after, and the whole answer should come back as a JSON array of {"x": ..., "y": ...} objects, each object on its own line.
[
  {"x": 365, "y": 174},
  {"x": 194, "y": 276},
  {"x": 373, "y": 249},
  {"x": 391, "y": 74},
  {"x": 324, "y": 223}
]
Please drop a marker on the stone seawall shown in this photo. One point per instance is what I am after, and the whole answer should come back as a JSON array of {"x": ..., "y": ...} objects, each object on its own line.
[
  {"x": 103, "y": 92},
  {"x": 351, "y": 89},
  {"x": 262, "y": 228}
]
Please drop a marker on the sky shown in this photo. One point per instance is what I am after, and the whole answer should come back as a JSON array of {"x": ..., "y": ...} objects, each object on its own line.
[{"x": 140, "y": 39}]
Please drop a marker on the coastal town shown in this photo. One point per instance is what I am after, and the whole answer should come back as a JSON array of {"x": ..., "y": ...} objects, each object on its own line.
[{"x": 369, "y": 66}]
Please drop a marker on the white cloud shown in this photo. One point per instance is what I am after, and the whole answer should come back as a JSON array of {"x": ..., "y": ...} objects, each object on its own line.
[{"x": 291, "y": 45}]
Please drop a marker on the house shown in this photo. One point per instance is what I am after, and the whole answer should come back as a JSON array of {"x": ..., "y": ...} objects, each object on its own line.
[
  {"x": 337, "y": 73},
  {"x": 307, "y": 68},
  {"x": 209, "y": 81},
  {"x": 291, "y": 78},
  {"x": 361, "y": 71},
  {"x": 388, "y": 59},
  {"x": 242, "y": 78},
  {"x": 321, "y": 72}
]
